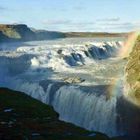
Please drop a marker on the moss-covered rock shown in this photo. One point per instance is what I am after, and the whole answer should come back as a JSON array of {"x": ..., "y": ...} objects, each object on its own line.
[{"x": 133, "y": 72}]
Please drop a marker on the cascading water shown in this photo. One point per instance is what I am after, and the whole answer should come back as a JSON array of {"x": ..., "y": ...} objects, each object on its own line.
[
  {"x": 86, "y": 109},
  {"x": 90, "y": 104}
]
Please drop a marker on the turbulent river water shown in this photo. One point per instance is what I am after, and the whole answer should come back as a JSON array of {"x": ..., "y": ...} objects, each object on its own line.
[{"x": 82, "y": 78}]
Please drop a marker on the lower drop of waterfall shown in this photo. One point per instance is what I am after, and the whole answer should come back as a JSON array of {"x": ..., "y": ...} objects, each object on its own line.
[
  {"x": 89, "y": 110},
  {"x": 86, "y": 109}
]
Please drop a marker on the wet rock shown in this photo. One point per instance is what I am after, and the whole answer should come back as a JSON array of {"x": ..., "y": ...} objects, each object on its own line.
[
  {"x": 59, "y": 51},
  {"x": 73, "y": 80},
  {"x": 8, "y": 110}
]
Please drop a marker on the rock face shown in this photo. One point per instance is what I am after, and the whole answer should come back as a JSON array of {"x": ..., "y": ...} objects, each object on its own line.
[
  {"x": 3, "y": 37},
  {"x": 22, "y": 32},
  {"x": 133, "y": 72},
  {"x": 17, "y": 32},
  {"x": 73, "y": 80}
]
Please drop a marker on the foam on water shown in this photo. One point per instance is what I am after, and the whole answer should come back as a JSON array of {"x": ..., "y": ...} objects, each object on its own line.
[{"x": 38, "y": 69}]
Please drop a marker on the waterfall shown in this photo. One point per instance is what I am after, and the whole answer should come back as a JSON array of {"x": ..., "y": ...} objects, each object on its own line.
[
  {"x": 85, "y": 107},
  {"x": 27, "y": 69},
  {"x": 56, "y": 59}
]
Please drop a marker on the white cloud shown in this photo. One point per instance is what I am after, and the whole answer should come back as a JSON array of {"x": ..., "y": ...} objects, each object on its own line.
[
  {"x": 67, "y": 22},
  {"x": 107, "y": 25},
  {"x": 122, "y": 25},
  {"x": 108, "y": 19},
  {"x": 56, "y": 22}
]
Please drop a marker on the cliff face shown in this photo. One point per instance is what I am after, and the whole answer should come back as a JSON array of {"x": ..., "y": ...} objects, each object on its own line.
[
  {"x": 133, "y": 72},
  {"x": 3, "y": 37},
  {"x": 22, "y": 32},
  {"x": 17, "y": 32}
]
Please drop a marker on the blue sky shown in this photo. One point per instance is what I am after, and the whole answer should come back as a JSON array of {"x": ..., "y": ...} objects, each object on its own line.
[{"x": 73, "y": 15}]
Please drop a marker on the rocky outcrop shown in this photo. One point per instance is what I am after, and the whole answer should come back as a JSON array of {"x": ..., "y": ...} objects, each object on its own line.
[
  {"x": 3, "y": 37},
  {"x": 133, "y": 73},
  {"x": 72, "y": 80},
  {"x": 22, "y": 32},
  {"x": 17, "y": 32}
]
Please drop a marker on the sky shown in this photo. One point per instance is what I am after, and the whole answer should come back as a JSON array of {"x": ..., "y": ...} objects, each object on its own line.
[{"x": 73, "y": 15}]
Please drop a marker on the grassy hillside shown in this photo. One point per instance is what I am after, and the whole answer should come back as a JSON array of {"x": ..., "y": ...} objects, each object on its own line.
[
  {"x": 133, "y": 72},
  {"x": 94, "y": 34},
  {"x": 24, "y": 118}
]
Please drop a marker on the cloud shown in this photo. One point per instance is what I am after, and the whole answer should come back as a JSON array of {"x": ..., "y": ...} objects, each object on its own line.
[
  {"x": 122, "y": 25},
  {"x": 67, "y": 25},
  {"x": 108, "y": 25},
  {"x": 56, "y": 22},
  {"x": 109, "y": 19},
  {"x": 67, "y": 22}
]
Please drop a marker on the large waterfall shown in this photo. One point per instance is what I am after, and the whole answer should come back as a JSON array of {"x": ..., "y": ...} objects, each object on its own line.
[
  {"x": 86, "y": 109},
  {"x": 40, "y": 69}
]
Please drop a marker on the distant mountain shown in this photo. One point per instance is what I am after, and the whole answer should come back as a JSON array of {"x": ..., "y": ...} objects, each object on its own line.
[{"x": 21, "y": 32}]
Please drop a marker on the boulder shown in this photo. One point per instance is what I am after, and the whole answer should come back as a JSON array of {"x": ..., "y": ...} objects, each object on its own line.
[{"x": 73, "y": 80}]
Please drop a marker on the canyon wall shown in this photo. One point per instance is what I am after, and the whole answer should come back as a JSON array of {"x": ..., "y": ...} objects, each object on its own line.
[{"x": 133, "y": 73}]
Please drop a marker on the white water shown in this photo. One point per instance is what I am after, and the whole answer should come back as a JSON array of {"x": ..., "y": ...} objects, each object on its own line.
[{"x": 38, "y": 69}]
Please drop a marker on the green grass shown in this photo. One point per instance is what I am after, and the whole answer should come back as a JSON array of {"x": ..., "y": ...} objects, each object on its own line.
[
  {"x": 133, "y": 72},
  {"x": 138, "y": 39}
]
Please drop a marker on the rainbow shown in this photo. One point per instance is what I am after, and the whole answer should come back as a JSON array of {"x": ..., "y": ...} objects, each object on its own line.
[
  {"x": 127, "y": 47},
  {"x": 128, "y": 44}
]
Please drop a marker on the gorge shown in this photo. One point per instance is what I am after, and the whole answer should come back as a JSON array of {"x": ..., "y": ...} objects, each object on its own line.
[{"x": 81, "y": 78}]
